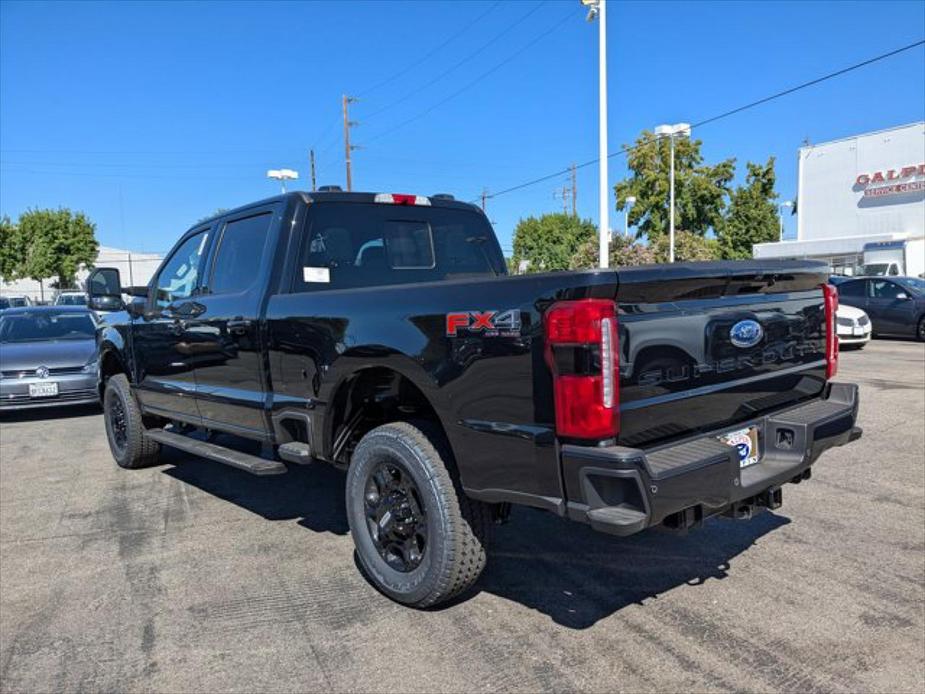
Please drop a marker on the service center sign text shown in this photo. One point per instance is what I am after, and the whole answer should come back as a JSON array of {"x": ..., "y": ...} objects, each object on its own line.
[{"x": 871, "y": 182}]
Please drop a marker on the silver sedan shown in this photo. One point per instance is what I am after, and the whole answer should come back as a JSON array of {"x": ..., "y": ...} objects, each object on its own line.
[{"x": 48, "y": 357}]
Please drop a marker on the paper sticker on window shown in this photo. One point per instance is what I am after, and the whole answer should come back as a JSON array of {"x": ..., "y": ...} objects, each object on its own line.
[{"x": 316, "y": 274}]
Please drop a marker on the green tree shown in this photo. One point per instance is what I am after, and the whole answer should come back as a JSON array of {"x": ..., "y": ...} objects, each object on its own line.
[
  {"x": 752, "y": 215},
  {"x": 700, "y": 189},
  {"x": 9, "y": 248},
  {"x": 688, "y": 247},
  {"x": 53, "y": 243},
  {"x": 548, "y": 242},
  {"x": 623, "y": 252}
]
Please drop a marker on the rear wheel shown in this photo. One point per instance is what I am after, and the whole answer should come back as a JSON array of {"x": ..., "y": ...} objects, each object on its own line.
[
  {"x": 125, "y": 429},
  {"x": 419, "y": 539},
  {"x": 921, "y": 331}
]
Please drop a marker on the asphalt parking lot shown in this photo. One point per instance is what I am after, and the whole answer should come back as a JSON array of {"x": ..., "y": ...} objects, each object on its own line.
[{"x": 196, "y": 577}]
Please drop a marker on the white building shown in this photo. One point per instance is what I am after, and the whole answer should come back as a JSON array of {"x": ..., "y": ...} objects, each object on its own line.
[
  {"x": 135, "y": 269},
  {"x": 865, "y": 189}
]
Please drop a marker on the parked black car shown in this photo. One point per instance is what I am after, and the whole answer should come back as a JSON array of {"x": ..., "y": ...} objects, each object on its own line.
[
  {"x": 381, "y": 333},
  {"x": 895, "y": 305}
]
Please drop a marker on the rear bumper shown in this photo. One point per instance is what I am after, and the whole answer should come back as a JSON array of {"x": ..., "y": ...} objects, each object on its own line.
[{"x": 625, "y": 490}]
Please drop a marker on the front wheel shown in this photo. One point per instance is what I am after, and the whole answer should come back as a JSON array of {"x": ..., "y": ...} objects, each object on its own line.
[
  {"x": 920, "y": 333},
  {"x": 125, "y": 429},
  {"x": 419, "y": 539}
]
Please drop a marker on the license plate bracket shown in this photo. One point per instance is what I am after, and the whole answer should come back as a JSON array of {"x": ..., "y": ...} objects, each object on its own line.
[
  {"x": 746, "y": 442},
  {"x": 43, "y": 390}
]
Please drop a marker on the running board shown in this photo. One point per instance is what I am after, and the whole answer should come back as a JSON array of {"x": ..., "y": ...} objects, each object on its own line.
[{"x": 220, "y": 454}]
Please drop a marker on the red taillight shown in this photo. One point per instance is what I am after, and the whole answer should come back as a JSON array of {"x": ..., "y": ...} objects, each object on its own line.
[
  {"x": 830, "y": 298},
  {"x": 581, "y": 349}
]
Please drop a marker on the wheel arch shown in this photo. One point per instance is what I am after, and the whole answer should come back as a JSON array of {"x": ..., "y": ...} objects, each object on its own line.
[
  {"x": 111, "y": 362},
  {"x": 378, "y": 394}
]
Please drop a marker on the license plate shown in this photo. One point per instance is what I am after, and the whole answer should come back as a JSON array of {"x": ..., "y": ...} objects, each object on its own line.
[
  {"x": 43, "y": 390},
  {"x": 746, "y": 442},
  {"x": 858, "y": 330}
]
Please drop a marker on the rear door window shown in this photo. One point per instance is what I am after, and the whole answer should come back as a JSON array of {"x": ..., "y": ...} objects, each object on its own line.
[{"x": 240, "y": 254}]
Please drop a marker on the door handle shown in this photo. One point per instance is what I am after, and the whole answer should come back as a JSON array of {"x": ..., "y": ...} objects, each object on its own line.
[{"x": 238, "y": 326}]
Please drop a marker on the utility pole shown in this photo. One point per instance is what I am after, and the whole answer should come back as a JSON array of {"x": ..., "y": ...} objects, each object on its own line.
[
  {"x": 574, "y": 191},
  {"x": 348, "y": 148},
  {"x": 565, "y": 194},
  {"x": 311, "y": 156},
  {"x": 484, "y": 197}
]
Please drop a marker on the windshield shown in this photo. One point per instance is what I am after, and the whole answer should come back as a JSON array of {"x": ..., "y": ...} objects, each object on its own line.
[
  {"x": 47, "y": 325},
  {"x": 876, "y": 269},
  {"x": 71, "y": 300},
  {"x": 916, "y": 286}
]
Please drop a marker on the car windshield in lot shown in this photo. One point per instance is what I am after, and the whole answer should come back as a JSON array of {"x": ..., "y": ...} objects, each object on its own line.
[
  {"x": 877, "y": 269},
  {"x": 39, "y": 326},
  {"x": 71, "y": 300}
]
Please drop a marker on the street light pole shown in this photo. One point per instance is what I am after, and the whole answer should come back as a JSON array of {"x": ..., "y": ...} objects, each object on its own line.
[
  {"x": 604, "y": 192},
  {"x": 671, "y": 131},
  {"x": 283, "y": 175},
  {"x": 671, "y": 214},
  {"x": 598, "y": 9},
  {"x": 627, "y": 204},
  {"x": 780, "y": 214}
]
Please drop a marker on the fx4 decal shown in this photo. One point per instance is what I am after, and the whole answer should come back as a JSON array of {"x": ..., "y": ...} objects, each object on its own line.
[{"x": 487, "y": 323}]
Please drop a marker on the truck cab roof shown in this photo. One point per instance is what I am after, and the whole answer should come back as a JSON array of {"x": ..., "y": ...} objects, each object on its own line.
[{"x": 308, "y": 197}]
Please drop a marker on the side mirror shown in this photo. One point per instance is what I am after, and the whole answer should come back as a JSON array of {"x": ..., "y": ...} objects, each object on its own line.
[
  {"x": 902, "y": 296},
  {"x": 104, "y": 289}
]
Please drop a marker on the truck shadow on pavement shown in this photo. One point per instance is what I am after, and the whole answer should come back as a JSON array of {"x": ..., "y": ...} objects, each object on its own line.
[
  {"x": 560, "y": 568},
  {"x": 314, "y": 494},
  {"x": 578, "y": 576}
]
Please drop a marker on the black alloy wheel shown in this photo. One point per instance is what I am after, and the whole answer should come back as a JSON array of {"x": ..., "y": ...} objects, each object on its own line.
[
  {"x": 117, "y": 424},
  {"x": 395, "y": 516}
]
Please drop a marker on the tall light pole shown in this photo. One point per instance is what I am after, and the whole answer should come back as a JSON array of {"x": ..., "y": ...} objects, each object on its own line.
[
  {"x": 598, "y": 9},
  {"x": 283, "y": 175},
  {"x": 780, "y": 214},
  {"x": 627, "y": 204},
  {"x": 683, "y": 129}
]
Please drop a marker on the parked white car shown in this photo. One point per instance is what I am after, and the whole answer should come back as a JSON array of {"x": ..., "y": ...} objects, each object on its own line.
[{"x": 853, "y": 326}]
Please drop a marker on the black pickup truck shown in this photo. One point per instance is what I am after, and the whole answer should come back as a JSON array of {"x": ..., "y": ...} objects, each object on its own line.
[{"x": 382, "y": 333}]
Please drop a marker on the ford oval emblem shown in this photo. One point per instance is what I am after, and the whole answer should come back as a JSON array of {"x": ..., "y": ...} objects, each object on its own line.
[{"x": 746, "y": 333}]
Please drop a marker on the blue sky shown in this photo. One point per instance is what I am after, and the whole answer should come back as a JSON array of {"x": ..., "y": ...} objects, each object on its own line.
[{"x": 148, "y": 116}]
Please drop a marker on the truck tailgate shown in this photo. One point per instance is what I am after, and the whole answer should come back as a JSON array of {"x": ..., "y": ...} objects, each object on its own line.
[{"x": 706, "y": 345}]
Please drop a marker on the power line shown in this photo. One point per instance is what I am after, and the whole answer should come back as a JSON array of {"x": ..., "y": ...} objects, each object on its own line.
[
  {"x": 430, "y": 54},
  {"x": 478, "y": 79},
  {"x": 811, "y": 83},
  {"x": 712, "y": 119},
  {"x": 459, "y": 64}
]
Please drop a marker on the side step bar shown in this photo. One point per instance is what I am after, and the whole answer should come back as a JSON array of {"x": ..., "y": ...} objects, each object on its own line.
[{"x": 220, "y": 454}]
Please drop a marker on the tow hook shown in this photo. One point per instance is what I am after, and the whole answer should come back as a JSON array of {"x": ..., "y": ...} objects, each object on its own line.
[
  {"x": 748, "y": 508},
  {"x": 770, "y": 498}
]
